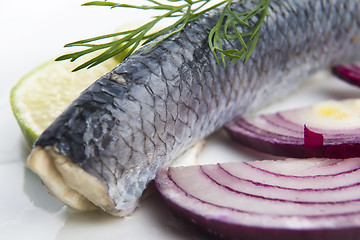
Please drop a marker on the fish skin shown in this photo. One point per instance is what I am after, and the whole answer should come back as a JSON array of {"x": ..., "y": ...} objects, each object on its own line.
[{"x": 124, "y": 131}]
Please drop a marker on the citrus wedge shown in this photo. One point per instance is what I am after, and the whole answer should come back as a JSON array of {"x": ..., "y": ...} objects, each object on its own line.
[{"x": 41, "y": 95}]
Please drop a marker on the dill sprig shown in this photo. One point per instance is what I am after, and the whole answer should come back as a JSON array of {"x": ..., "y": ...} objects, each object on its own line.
[
  {"x": 185, "y": 11},
  {"x": 229, "y": 22}
]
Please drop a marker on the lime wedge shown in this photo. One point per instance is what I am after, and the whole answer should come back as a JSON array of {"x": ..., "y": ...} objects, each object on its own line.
[{"x": 41, "y": 95}]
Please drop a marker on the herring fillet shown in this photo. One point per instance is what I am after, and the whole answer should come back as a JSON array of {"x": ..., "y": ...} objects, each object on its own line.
[{"x": 111, "y": 141}]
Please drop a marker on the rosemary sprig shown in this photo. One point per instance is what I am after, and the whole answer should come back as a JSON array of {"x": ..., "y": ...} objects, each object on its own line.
[{"x": 185, "y": 11}]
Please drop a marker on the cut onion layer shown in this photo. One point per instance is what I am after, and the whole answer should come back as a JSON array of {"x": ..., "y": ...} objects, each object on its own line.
[
  {"x": 329, "y": 129},
  {"x": 348, "y": 72},
  {"x": 285, "y": 199}
]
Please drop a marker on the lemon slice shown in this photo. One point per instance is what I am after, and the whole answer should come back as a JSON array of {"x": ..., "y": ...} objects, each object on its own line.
[{"x": 41, "y": 95}]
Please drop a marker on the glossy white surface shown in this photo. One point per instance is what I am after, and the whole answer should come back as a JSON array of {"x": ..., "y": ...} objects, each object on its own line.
[{"x": 33, "y": 32}]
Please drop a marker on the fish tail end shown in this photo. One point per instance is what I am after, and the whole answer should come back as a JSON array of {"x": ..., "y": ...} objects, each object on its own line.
[{"x": 68, "y": 182}]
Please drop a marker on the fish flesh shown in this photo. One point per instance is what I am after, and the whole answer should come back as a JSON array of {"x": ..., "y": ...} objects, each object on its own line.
[{"x": 107, "y": 146}]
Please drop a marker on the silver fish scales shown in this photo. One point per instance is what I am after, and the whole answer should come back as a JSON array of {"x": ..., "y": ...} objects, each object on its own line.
[{"x": 109, "y": 144}]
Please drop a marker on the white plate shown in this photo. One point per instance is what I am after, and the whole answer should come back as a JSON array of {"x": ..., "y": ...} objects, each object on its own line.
[{"x": 33, "y": 32}]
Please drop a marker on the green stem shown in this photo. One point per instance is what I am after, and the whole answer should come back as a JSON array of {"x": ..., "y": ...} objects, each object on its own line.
[{"x": 226, "y": 28}]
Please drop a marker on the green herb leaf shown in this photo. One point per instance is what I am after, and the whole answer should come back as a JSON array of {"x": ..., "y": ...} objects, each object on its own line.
[
  {"x": 186, "y": 11},
  {"x": 232, "y": 20}
]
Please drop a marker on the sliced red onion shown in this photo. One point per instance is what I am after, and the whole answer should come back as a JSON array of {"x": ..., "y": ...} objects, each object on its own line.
[
  {"x": 348, "y": 72},
  {"x": 290, "y": 199},
  {"x": 312, "y": 139},
  {"x": 328, "y": 129}
]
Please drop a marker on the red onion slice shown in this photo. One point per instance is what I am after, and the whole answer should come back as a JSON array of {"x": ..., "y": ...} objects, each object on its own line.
[
  {"x": 290, "y": 199},
  {"x": 348, "y": 72},
  {"x": 329, "y": 129}
]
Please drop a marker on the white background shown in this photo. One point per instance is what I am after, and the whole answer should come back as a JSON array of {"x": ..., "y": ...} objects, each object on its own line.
[{"x": 34, "y": 32}]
